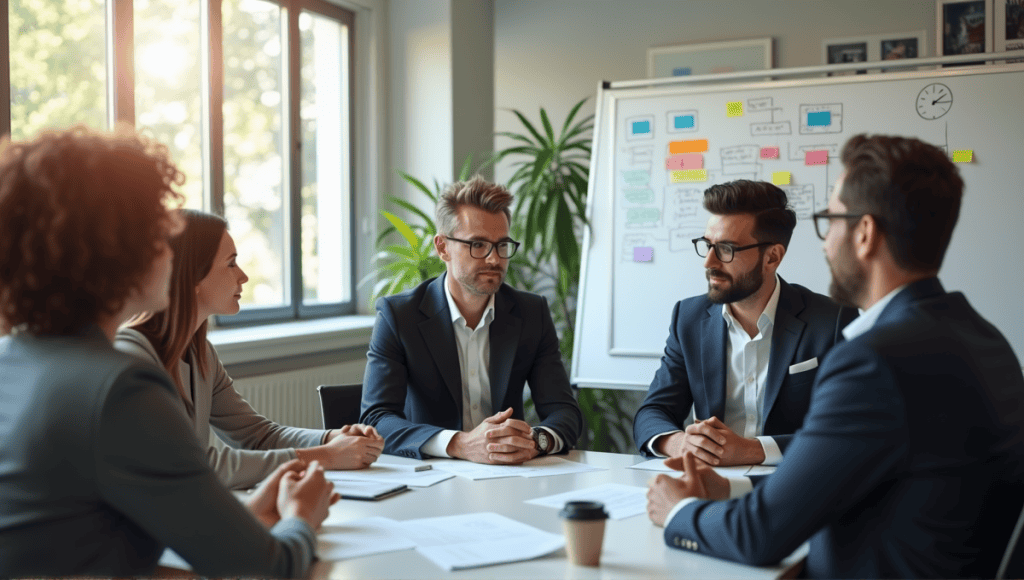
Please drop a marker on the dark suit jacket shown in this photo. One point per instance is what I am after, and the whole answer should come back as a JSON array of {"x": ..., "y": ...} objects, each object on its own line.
[
  {"x": 693, "y": 368},
  {"x": 100, "y": 469},
  {"x": 910, "y": 460},
  {"x": 413, "y": 386}
]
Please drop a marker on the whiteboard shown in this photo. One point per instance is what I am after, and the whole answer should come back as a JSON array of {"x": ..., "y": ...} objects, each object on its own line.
[{"x": 644, "y": 206}]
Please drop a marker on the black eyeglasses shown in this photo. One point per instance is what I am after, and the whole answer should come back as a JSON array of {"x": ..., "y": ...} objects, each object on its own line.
[
  {"x": 480, "y": 249},
  {"x": 823, "y": 220},
  {"x": 725, "y": 252}
]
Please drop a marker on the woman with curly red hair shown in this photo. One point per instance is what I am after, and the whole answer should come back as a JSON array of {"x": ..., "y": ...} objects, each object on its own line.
[
  {"x": 99, "y": 469},
  {"x": 206, "y": 281}
]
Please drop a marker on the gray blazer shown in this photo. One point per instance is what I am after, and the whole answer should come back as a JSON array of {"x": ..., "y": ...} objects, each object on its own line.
[
  {"x": 258, "y": 445},
  {"x": 99, "y": 471}
]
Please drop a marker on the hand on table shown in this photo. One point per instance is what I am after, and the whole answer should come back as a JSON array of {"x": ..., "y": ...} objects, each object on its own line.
[
  {"x": 698, "y": 480},
  {"x": 714, "y": 443},
  {"x": 351, "y": 447},
  {"x": 307, "y": 495},
  {"x": 499, "y": 440}
]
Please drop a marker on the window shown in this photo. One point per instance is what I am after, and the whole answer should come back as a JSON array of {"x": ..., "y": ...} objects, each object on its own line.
[{"x": 267, "y": 142}]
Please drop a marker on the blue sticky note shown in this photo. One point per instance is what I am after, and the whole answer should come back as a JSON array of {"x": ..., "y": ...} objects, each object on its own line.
[
  {"x": 641, "y": 127},
  {"x": 642, "y": 254},
  {"x": 681, "y": 71},
  {"x": 684, "y": 122},
  {"x": 819, "y": 119}
]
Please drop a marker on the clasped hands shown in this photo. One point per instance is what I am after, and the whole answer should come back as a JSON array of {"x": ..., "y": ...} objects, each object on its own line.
[
  {"x": 351, "y": 447},
  {"x": 712, "y": 442},
  {"x": 295, "y": 489},
  {"x": 498, "y": 440}
]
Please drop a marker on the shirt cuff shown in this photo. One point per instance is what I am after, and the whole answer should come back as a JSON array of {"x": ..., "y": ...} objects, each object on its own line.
[
  {"x": 437, "y": 446},
  {"x": 558, "y": 440},
  {"x": 650, "y": 444},
  {"x": 772, "y": 452},
  {"x": 323, "y": 440},
  {"x": 739, "y": 486}
]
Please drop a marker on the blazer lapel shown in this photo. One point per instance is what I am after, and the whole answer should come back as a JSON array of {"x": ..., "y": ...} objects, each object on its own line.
[
  {"x": 785, "y": 337},
  {"x": 712, "y": 350},
  {"x": 504, "y": 336},
  {"x": 439, "y": 335}
]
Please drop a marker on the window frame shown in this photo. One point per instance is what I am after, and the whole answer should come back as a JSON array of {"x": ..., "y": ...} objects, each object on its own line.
[{"x": 121, "y": 109}]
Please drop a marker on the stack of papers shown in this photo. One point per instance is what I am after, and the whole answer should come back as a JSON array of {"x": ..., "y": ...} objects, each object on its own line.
[
  {"x": 620, "y": 501},
  {"x": 368, "y": 490},
  {"x": 539, "y": 467},
  {"x": 451, "y": 542},
  {"x": 658, "y": 464},
  {"x": 393, "y": 470}
]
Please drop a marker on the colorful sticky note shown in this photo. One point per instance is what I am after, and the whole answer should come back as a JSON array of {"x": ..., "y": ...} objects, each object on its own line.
[
  {"x": 641, "y": 127},
  {"x": 641, "y": 254},
  {"x": 683, "y": 122},
  {"x": 963, "y": 155},
  {"x": 769, "y": 153},
  {"x": 692, "y": 146},
  {"x": 819, "y": 119},
  {"x": 685, "y": 161},
  {"x": 682, "y": 71},
  {"x": 780, "y": 177},
  {"x": 689, "y": 176},
  {"x": 734, "y": 109},
  {"x": 816, "y": 158}
]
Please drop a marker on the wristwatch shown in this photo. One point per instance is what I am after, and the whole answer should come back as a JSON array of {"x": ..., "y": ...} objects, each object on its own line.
[{"x": 543, "y": 440}]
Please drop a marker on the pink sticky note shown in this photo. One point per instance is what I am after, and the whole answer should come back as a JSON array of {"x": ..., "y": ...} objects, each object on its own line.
[
  {"x": 684, "y": 161},
  {"x": 641, "y": 254},
  {"x": 816, "y": 158},
  {"x": 769, "y": 153}
]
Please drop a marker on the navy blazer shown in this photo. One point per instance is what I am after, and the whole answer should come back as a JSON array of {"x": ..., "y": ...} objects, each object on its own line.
[
  {"x": 909, "y": 463},
  {"x": 412, "y": 388},
  {"x": 693, "y": 368}
]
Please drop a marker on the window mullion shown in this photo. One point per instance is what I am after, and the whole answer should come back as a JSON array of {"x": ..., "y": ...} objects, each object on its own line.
[
  {"x": 212, "y": 50},
  {"x": 293, "y": 133},
  {"x": 121, "y": 59}
]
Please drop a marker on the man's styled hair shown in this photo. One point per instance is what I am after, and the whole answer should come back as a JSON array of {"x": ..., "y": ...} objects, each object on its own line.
[
  {"x": 476, "y": 192},
  {"x": 912, "y": 190},
  {"x": 83, "y": 216},
  {"x": 773, "y": 219}
]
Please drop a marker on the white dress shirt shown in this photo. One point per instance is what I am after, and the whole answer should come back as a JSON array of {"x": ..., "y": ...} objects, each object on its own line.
[
  {"x": 867, "y": 319},
  {"x": 745, "y": 378},
  {"x": 474, "y": 347}
]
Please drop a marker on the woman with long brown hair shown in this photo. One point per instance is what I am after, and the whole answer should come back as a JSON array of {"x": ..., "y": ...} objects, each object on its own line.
[{"x": 206, "y": 281}]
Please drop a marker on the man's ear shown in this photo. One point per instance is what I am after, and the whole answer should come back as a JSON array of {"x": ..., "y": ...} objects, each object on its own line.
[
  {"x": 441, "y": 246},
  {"x": 867, "y": 238},
  {"x": 774, "y": 255}
]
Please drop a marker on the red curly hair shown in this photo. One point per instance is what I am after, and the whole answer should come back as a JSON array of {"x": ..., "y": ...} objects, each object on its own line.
[{"x": 83, "y": 215}]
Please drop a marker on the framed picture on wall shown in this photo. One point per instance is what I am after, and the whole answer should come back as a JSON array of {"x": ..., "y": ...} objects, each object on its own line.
[
  {"x": 964, "y": 26},
  {"x": 709, "y": 58},
  {"x": 1009, "y": 25},
  {"x": 873, "y": 48}
]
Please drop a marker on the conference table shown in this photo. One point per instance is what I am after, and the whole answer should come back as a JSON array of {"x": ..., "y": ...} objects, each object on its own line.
[{"x": 633, "y": 547}]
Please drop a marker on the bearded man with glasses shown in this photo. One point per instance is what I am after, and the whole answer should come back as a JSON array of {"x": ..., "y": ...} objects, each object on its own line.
[
  {"x": 743, "y": 357},
  {"x": 448, "y": 360}
]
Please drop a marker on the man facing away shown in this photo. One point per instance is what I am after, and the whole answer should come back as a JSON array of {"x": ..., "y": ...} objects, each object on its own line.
[
  {"x": 745, "y": 355},
  {"x": 910, "y": 459},
  {"x": 448, "y": 360}
]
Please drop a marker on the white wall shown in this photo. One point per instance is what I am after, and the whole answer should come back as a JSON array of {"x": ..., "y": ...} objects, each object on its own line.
[{"x": 552, "y": 53}]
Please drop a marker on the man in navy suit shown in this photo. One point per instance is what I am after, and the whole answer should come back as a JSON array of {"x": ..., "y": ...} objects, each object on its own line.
[
  {"x": 448, "y": 359},
  {"x": 744, "y": 356},
  {"x": 910, "y": 462}
]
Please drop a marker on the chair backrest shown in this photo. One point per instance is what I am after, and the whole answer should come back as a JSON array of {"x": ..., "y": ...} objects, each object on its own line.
[
  {"x": 340, "y": 404},
  {"x": 1012, "y": 565}
]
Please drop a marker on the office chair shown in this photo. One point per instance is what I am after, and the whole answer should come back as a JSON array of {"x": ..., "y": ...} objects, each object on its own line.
[
  {"x": 340, "y": 404},
  {"x": 1013, "y": 558}
]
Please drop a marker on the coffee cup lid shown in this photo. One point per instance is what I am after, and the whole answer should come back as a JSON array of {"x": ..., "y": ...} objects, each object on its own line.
[{"x": 583, "y": 510}]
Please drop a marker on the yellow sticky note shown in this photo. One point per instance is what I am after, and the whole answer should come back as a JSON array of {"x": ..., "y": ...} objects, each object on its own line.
[
  {"x": 780, "y": 177},
  {"x": 734, "y": 109},
  {"x": 689, "y": 176},
  {"x": 963, "y": 155}
]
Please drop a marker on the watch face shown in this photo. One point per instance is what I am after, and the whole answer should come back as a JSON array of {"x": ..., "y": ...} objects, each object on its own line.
[{"x": 934, "y": 101}]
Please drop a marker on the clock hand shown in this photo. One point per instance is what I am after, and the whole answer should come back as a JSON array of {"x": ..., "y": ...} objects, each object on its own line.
[{"x": 939, "y": 100}]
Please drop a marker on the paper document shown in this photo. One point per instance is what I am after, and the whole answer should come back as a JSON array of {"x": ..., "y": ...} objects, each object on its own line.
[
  {"x": 481, "y": 539},
  {"x": 402, "y": 463},
  {"x": 620, "y": 501},
  {"x": 658, "y": 464},
  {"x": 368, "y": 490},
  {"x": 539, "y": 467},
  {"x": 362, "y": 537},
  {"x": 385, "y": 473}
]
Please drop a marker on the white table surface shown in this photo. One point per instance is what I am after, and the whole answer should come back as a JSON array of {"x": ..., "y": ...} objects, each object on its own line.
[{"x": 633, "y": 547}]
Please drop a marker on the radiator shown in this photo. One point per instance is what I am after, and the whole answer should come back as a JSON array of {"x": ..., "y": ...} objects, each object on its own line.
[{"x": 290, "y": 398}]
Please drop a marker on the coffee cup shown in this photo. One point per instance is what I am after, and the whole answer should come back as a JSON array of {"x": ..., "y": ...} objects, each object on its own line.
[{"x": 583, "y": 522}]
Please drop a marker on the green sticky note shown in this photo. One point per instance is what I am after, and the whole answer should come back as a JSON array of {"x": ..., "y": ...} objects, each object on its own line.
[
  {"x": 734, "y": 109},
  {"x": 963, "y": 155},
  {"x": 780, "y": 177}
]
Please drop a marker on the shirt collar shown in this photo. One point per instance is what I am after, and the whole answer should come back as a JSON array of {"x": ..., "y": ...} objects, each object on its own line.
[
  {"x": 767, "y": 317},
  {"x": 456, "y": 314},
  {"x": 868, "y": 317}
]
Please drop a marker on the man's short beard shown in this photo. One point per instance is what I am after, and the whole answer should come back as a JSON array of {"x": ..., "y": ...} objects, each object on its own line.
[{"x": 741, "y": 288}]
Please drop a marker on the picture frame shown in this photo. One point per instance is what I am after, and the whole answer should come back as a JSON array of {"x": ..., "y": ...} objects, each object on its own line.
[
  {"x": 1008, "y": 24},
  {"x": 964, "y": 27},
  {"x": 873, "y": 48},
  {"x": 710, "y": 58}
]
